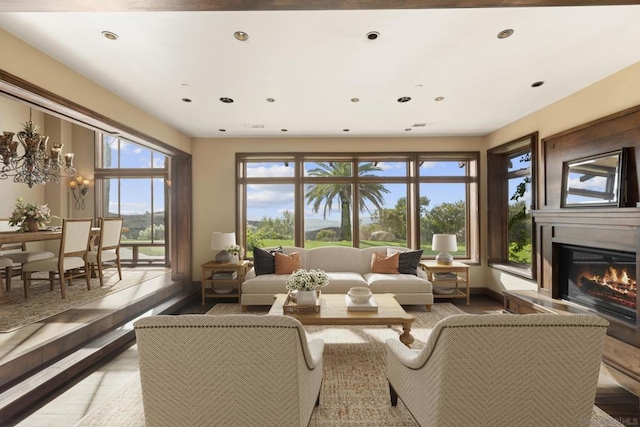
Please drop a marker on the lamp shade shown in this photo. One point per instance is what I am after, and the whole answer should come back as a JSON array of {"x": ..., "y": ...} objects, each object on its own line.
[
  {"x": 221, "y": 241},
  {"x": 444, "y": 243}
]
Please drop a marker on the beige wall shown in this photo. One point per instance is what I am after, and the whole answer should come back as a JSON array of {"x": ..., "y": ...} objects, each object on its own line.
[
  {"x": 28, "y": 63},
  {"x": 610, "y": 95},
  {"x": 214, "y": 173}
]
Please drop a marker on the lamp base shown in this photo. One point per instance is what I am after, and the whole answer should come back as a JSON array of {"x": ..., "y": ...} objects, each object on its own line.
[
  {"x": 444, "y": 258},
  {"x": 223, "y": 257}
]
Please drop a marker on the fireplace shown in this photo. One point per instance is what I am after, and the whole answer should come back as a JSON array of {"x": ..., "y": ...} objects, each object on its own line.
[{"x": 602, "y": 280}]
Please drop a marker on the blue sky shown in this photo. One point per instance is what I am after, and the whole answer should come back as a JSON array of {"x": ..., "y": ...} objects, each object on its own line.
[{"x": 271, "y": 199}]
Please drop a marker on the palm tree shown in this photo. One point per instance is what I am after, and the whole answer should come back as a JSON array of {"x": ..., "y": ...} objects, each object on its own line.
[{"x": 318, "y": 194}]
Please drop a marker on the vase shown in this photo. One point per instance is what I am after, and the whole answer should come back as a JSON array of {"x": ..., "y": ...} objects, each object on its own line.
[
  {"x": 306, "y": 298},
  {"x": 234, "y": 259},
  {"x": 32, "y": 224}
]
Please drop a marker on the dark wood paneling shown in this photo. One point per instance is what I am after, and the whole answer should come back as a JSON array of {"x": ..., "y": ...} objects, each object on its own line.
[
  {"x": 181, "y": 218},
  {"x": 600, "y": 136},
  {"x": 219, "y": 5}
]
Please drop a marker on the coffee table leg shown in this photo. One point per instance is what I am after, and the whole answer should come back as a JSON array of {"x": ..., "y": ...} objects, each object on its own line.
[{"x": 406, "y": 338}]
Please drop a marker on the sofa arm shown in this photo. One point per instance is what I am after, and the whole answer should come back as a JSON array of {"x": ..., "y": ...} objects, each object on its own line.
[
  {"x": 422, "y": 274},
  {"x": 251, "y": 274}
]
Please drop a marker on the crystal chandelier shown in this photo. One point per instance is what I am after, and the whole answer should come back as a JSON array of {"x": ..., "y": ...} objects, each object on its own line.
[{"x": 37, "y": 165}]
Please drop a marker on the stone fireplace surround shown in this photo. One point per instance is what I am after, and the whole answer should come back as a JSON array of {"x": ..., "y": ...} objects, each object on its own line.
[{"x": 602, "y": 228}]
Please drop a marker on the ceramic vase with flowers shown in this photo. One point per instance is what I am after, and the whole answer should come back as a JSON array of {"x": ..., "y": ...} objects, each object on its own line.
[
  {"x": 29, "y": 216},
  {"x": 305, "y": 283},
  {"x": 236, "y": 254}
]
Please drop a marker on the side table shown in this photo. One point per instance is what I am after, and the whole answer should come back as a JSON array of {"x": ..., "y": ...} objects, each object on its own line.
[
  {"x": 448, "y": 276},
  {"x": 230, "y": 274}
]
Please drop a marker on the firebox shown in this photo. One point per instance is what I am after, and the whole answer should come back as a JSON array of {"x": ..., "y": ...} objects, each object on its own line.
[{"x": 603, "y": 280}]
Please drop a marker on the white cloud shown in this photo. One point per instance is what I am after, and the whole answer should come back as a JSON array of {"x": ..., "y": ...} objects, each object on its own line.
[{"x": 269, "y": 170}]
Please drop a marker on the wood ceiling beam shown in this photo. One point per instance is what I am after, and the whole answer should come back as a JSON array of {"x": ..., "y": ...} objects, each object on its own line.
[{"x": 246, "y": 5}]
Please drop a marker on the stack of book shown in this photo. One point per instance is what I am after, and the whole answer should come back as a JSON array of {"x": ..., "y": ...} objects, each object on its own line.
[
  {"x": 370, "y": 305},
  {"x": 224, "y": 275}
]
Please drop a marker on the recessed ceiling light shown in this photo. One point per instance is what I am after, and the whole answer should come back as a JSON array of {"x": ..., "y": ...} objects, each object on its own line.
[
  {"x": 505, "y": 33},
  {"x": 241, "y": 35},
  {"x": 226, "y": 100},
  {"x": 109, "y": 35},
  {"x": 372, "y": 35},
  {"x": 271, "y": 100},
  {"x": 283, "y": 130},
  {"x": 440, "y": 98},
  {"x": 186, "y": 100},
  {"x": 222, "y": 130},
  {"x": 537, "y": 84},
  {"x": 407, "y": 129},
  {"x": 404, "y": 99},
  {"x": 345, "y": 130},
  {"x": 355, "y": 99}
]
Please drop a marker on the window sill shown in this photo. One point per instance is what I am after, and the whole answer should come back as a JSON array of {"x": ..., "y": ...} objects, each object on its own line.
[{"x": 523, "y": 272}]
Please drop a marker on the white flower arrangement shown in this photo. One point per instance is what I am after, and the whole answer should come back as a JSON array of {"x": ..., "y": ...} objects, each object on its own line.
[
  {"x": 307, "y": 280},
  {"x": 234, "y": 249},
  {"x": 40, "y": 213}
]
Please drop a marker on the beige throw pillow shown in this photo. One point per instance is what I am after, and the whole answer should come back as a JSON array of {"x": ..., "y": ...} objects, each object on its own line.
[
  {"x": 380, "y": 263},
  {"x": 287, "y": 264}
]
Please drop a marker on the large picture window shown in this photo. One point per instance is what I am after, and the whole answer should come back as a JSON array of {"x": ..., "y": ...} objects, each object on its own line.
[
  {"x": 511, "y": 177},
  {"x": 131, "y": 183},
  {"x": 312, "y": 200}
]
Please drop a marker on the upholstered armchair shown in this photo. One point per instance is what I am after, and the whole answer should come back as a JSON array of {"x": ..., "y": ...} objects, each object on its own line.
[
  {"x": 234, "y": 370},
  {"x": 501, "y": 370},
  {"x": 107, "y": 254}
]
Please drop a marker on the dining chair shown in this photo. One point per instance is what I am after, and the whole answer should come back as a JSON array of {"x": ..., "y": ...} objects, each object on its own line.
[
  {"x": 6, "y": 264},
  {"x": 17, "y": 252},
  {"x": 107, "y": 254},
  {"x": 74, "y": 244}
]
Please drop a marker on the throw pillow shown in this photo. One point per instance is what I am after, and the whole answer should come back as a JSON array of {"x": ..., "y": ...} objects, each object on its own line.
[
  {"x": 264, "y": 262},
  {"x": 381, "y": 263},
  {"x": 409, "y": 261},
  {"x": 287, "y": 264}
]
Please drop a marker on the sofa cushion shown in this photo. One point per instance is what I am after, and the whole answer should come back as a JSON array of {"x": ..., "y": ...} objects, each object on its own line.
[
  {"x": 264, "y": 261},
  {"x": 287, "y": 264},
  {"x": 408, "y": 262},
  {"x": 396, "y": 283},
  {"x": 381, "y": 263}
]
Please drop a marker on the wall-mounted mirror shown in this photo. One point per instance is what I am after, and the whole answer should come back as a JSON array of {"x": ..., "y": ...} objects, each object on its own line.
[{"x": 594, "y": 181}]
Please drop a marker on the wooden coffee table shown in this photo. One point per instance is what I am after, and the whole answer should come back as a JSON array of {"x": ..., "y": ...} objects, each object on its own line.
[{"x": 333, "y": 311}]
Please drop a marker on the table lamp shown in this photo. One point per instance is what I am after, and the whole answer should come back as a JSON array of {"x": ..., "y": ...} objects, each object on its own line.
[
  {"x": 444, "y": 243},
  {"x": 221, "y": 242}
]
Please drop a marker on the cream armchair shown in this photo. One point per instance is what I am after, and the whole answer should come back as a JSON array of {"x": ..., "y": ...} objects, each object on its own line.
[
  {"x": 235, "y": 370},
  {"x": 501, "y": 370}
]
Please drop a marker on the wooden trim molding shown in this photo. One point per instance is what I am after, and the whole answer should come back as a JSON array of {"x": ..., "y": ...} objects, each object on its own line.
[{"x": 243, "y": 5}]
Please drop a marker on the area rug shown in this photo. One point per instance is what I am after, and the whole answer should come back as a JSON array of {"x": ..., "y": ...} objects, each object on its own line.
[
  {"x": 43, "y": 303},
  {"x": 354, "y": 390}
]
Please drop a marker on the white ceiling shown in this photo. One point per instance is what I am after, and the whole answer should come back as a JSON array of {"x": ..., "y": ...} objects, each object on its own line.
[{"x": 314, "y": 62}]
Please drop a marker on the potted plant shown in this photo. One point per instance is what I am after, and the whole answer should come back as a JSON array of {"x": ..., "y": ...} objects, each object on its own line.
[
  {"x": 305, "y": 283},
  {"x": 236, "y": 254}
]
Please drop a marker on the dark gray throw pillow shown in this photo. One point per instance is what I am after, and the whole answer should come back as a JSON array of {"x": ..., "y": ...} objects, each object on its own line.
[
  {"x": 264, "y": 262},
  {"x": 409, "y": 261}
]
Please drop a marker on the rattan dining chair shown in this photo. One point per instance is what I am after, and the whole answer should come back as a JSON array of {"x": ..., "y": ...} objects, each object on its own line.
[
  {"x": 107, "y": 254},
  {"x": 72, "y": 257}
]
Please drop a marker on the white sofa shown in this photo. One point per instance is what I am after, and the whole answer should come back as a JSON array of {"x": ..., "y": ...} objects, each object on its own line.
[{"x": 346, "y": 267}]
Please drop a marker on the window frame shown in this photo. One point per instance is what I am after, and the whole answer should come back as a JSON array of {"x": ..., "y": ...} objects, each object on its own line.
[
  {"x": 101, "y": 173},
  {"x": 412, "y": 180},
  {"x": 498, "y": 196}
]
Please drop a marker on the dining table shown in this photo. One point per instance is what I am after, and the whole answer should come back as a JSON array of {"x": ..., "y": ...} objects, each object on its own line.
[{"x": 53, "y": 233}]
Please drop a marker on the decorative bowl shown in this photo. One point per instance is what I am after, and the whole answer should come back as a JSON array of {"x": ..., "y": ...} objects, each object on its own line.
[{"x": 359, "y": 295}]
